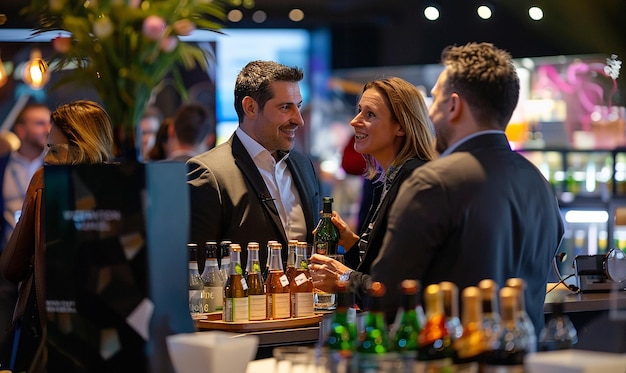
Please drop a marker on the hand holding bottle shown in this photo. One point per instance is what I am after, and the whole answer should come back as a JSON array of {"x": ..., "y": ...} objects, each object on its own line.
[
  {"x": 347, "y": 238},
  {"x": 325, "y": 272}
]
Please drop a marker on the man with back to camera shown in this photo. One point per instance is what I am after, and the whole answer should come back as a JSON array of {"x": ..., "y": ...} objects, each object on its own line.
[
  {"x": 191, "y": 132},
  {"x": 16, "y": 169},
  {"x": 254, "y": 187},
  {"x": 480, "y": 210}
]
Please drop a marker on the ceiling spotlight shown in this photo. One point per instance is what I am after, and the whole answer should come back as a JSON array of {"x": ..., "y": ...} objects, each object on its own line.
[
  {"x": 259, "y": 16},
  {"x": 296, "y": 15},
  {"x": 484, "y": 11},
  {"x": 535, "y": 13},
  {"x": 431, "y": 13},
  {"x": 235, "y": 15}
]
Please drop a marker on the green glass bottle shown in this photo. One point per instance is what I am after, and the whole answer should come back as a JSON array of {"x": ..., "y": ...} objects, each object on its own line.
[
  {"x": 342, "y": 336},
  {"x": 374, "y": 339},
  {"x": 326, "y": 234},
  {"x": 407, "y": 325},
  {"x": 325, "y": 243}
]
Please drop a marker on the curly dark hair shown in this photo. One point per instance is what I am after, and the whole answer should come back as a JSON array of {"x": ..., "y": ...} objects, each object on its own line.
[
  {"x": 485, "y": 77},
  {"x": 255, "y": 78}
]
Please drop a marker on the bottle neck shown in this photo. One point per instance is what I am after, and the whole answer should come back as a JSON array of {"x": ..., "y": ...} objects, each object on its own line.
[
  {"x": 275, "y": 261},
  {"x": 254, "y": 264},
  {"x": 235, "y": 263}
]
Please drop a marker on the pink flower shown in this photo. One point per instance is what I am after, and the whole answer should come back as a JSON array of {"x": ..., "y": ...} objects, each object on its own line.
[
  {"x": 62, "y": 44},
  {"x": 184, "y": 27},
  {"x": 169, "y": 44},
  {"x": 153, "y": 27}
]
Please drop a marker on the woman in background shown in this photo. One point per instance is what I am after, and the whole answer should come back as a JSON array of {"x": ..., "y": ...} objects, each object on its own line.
[
  {"x": 395, "y": 136},
  {"x": 81, "y": 133}
]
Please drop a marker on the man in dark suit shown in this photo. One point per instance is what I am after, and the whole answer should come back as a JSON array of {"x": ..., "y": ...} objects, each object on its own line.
[
  {"x": 481, "y": 210},
  {"x": 254, "y": 187}
]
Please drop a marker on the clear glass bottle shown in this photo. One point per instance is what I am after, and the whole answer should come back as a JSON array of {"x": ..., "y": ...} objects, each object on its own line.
[
  {"x": 236, "y": 289},
  {"x": 472, "y": 344},
  {"x": 277, "y": 286},
  {"x": 407, "y": 326},
  {"x": 559, "y": 332},
  {"x": 506, "y": 355},
  {"x": 257, "y": 304},
  {"x": 527, "y": 325},
  {"x": 492, "y": 323},
  {"x": 325, "y": 242},
  {"x": 266, "y": 272},
  {"x": 301, "y": 284},
  {"x": 196, "y": 284},
  {"x": 435, "y": 347},
  {"x": 291, "y": 259},
  {"x": 212, "y": 279},
  {"x": 224, "y": 258}
]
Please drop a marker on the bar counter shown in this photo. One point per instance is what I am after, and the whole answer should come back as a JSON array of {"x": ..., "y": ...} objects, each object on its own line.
[{"x": 582, "y": 302}]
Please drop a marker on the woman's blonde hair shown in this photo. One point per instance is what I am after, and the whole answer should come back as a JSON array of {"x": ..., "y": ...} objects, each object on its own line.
[
  {"x": 88, "y": 129},
  {"x": 408, "y": 108}
]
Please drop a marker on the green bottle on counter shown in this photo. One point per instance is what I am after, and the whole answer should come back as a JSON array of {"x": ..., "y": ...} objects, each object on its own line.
[{"x": 342, "y": 334}]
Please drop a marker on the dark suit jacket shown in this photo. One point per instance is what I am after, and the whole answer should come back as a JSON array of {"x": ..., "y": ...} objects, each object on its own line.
[
  {"x": 229, "y": 199},
  {"x": 483, "y": 211},
  {"x": 4, "y": 160},
  {"x": 358, "y": 281}
]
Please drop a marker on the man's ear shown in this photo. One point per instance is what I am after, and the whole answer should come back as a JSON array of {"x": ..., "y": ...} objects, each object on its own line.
[
  {"x": 455, "y": 106},
  {"x": 250, "y": 106}
]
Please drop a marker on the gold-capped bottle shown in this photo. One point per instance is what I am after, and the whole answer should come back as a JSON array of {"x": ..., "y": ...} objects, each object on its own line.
[
  {"x": 472, "y": 344},
  {"x": 506, "y": 355},
  {"x": 277, "y": 286},
  {"x": 492, "y": 323},
  {"x": 526, "y": 323},
  {"x": 257, "y": 304},
  {"x": 291, "y": 259},
  {"x": 301, "y": 284},
  {"x": 435, "y": 347},
  {"x": 451, "y": 309},
  {"x": 236, "y": 289}
]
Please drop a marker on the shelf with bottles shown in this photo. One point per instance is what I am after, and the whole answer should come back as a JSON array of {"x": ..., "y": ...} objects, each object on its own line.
[{"x": 581, "y": 173}]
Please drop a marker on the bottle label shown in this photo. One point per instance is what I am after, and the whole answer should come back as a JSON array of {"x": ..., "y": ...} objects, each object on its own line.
[
  {"x": 257, "y": 307},
  {"x": 237, "y": 309},
  {"x": 244, "y": 284},
  {"x": 214, "y": 297},
  {"x": 321, "y": 248},
  {"x": 302, "y": 304},
  {"x": 284, "y": 281},
  {"x": 195, "y": 301},
  {"x": 278, "y": 306},
  {"x": 301, "y": 279}
]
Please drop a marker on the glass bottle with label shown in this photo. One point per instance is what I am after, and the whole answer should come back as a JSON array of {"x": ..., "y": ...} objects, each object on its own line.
[
  {"x": 435, "y": 347},
  {"x": 507, "y": 353},
  {"x": 236, "y": 289},
  {"x": 256, "y": 290},
  {"x": 212, "y": 279},
  {"x": 301, "y": 284},
  {"x": 526, "y": 323},
  {"x": 325, "y": 242},
  {"x": 277, "y": 286},
  {"x": 196, "y": 284},
  {"x": 472, "y": 344}
]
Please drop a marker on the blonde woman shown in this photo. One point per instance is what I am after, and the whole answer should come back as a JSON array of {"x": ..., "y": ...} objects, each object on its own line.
[{"x": 81, "y": 133}]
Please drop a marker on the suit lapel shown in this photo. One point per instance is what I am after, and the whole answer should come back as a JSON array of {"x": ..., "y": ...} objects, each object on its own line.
[{"x": 252, "y": 174}]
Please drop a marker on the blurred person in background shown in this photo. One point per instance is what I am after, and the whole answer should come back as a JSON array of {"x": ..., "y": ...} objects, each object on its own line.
[
  {"x": 17, "y": 167},
  {"x": 148, "y": 128},
  {"x": 191, "y": 132},
  {"x": 81, "y": 133},
  {"x": 394, "y": 135}
]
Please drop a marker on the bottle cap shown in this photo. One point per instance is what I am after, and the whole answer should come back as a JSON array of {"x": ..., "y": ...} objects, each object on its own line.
[
  {"x": 409, "y": 287},
  {"x": 377, "y": 289}
]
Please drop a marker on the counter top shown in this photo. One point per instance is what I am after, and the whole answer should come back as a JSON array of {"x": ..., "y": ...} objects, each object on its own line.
[{"x": 583, "y": 302}]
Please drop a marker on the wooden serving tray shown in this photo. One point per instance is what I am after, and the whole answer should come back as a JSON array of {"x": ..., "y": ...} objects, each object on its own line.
[{"x": 256, "y": 326}]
